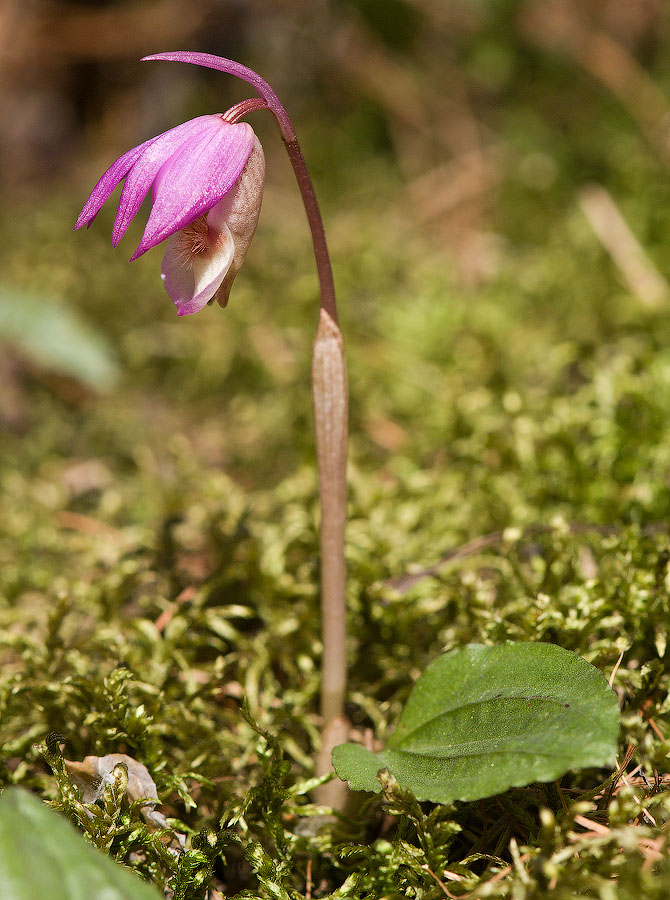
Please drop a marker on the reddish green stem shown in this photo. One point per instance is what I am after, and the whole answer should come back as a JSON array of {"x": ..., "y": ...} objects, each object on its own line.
[{"x": 321, "y": 255}]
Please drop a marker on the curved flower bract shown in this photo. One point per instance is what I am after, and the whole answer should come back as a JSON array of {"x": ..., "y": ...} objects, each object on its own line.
[{"x": 191, "y": 170}]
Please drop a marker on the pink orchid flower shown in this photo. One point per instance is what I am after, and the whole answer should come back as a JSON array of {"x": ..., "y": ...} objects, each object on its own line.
[{"x": 206, "y": 177}]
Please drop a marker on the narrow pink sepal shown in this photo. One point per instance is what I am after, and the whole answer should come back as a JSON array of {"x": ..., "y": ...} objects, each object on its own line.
[
  {"x": 108, "y": 181},
  {"x": 194, "y": 179}
]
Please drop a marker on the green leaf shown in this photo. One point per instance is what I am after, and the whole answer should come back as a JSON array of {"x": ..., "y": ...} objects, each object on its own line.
[
  {"x": 480, "y": 720},
  {"x": 42, "y": 855},
  {"x": 54, "y": 336}
]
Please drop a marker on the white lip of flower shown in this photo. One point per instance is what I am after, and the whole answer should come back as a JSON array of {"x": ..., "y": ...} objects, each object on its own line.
[{"x": 201, "y": 261}]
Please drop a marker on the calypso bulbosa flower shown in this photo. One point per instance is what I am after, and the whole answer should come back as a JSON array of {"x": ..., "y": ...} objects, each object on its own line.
[{"x": 206, "y": 178}]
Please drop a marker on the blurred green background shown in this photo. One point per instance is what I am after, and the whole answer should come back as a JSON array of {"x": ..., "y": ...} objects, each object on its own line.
[{"x": 494, "y": 184}]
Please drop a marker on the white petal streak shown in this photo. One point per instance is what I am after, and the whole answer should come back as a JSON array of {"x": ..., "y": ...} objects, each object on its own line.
[{"x": 191, "y": 283}]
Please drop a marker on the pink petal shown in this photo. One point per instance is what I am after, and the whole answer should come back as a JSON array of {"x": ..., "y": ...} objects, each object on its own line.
[
  {"x": 116, "y": 172},
  {"x": 191, "y": 287},
  {"x": 146, "y": 167},
  {"x": 195, "y": 178}
]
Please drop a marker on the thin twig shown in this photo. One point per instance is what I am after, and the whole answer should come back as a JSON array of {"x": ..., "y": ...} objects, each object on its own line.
[
  {"x": 616, "y": 236},
  {"x": 402, "y": 583}
]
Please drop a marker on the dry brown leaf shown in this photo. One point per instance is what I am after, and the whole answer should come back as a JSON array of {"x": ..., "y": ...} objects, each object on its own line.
[{"x": 95, "y": 772}]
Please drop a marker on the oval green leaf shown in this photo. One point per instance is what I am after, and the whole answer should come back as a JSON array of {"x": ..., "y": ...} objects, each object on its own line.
[
  {"x": 480, "y": 720},
  {"x": 42, "y": 855},
  {"x": 54, "y": 336}
]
